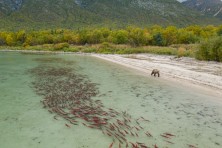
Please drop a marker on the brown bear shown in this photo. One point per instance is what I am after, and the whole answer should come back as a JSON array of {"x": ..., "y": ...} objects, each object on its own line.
[{"x": 154, "y": 72}]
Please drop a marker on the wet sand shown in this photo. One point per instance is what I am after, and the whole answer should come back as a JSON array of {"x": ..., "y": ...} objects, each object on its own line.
[{"x": 203, "y": 75}]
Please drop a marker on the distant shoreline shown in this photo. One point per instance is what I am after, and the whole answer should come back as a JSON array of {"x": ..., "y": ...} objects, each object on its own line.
[{"x": 38, "y": 51}]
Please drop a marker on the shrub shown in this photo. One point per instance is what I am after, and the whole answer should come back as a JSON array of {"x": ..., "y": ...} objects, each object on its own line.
[
  {"x": 105, "y": 45},
  {"x": 72, "y": 49},
  {"x": 47, "y": 46},
  {"x": 181, "y": 52},
  {"x": 210, "y": 50},
  {"x": 89, "y": 50},
  {"x": 153, "y": 50},
  {"x": 61, "y": 46}
]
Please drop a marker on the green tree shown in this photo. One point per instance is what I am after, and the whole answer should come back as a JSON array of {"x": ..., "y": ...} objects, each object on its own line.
[
  {"x": 20, "y": 36},
  {"x": 170, "y": 35},
  {"x": 28, "y": 41},
  {"x": 186, "y": 37},
  {"x": 195, "y": 29},
  {"x": 120, "y": 37},
  {"x": 3, "y": 36},
  {"x": 95, "y": 37},
  {"x": 219, "y": 30},
  {"x": 83, "y": 37},
  {"x": 137, "y": 37},
  {"x": 210, "y": 50},
  {"x": 158, "y": 40}
]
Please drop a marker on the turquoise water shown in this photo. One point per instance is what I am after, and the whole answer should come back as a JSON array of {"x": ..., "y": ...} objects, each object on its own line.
[{"x": 194, "y": 118}]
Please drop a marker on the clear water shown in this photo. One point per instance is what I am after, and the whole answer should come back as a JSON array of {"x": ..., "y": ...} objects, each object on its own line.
[{"x": 195, "y": 118}]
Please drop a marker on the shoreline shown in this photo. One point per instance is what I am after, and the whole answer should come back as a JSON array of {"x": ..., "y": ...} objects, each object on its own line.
[
  {"x": 172, "y": 70},
  {"x": 184, "y": 71},
  {"x": 39, "y": 51}
]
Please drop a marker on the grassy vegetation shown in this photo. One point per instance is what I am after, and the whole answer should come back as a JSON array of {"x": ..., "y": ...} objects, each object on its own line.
[
  {"x": 156, "y": 39},
  {"x": 107, "y": 48}
]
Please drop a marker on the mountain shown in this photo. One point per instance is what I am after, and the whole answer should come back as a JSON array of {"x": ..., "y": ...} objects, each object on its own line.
[
  {"x": 37, "y": 14},
  {"x": 208, "y": 7}
]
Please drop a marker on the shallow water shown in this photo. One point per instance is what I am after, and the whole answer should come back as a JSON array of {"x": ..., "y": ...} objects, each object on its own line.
[{"x": 194, "y": 118}]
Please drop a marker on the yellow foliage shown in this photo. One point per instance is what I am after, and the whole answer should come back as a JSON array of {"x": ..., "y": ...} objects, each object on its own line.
[
  {"x": 181, "y": 52},
  {"x": 20, "y": 36},
  {"x": 9, "y": 40}
]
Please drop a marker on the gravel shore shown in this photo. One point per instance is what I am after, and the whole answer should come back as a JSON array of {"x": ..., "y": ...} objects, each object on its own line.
[{"x": 185, "y": 71}]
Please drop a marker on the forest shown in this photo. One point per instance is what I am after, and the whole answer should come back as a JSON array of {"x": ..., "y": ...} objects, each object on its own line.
[{"x": 201, "y": 42}]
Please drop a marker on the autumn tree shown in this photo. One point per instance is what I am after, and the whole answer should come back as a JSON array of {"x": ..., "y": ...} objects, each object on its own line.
[
  {"x": 20, "y": 37},
  {"x": 119, "y": 37},
  {"x": 170, "y": 34},
  {"x": 186, "y": 37},
  {"x": 137, "y": 36},
  {"x": 10, "y": 40}
]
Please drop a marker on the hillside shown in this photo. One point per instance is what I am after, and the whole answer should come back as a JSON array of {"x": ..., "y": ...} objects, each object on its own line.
[
  {"x": 17, "y": 14},
  {"x": 208, "y": 7}
]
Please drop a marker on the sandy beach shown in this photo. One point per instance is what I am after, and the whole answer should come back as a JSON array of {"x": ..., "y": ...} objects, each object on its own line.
[{"x": 186, "y": 71}]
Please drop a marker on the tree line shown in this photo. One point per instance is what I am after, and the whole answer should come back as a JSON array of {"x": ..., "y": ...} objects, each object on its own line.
[
  {"x": 209, "y": 39},
  {"x": 155, "y": 35}
]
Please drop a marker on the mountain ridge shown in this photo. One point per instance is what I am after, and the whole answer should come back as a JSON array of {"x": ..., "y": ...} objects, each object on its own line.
[
  {"x": 37, "y": 14},
  {"x": 207, "y": 7}
]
